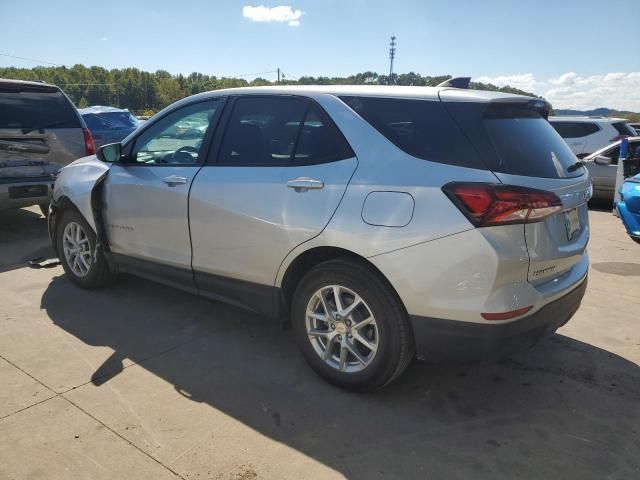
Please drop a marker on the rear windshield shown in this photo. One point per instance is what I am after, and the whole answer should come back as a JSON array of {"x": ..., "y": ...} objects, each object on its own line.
[
  {"x": 421, "y": 128},
  {"x": 516, "y": 139},
  {"x": 110, "y": 121},
  {"x": 34, "y": 108}
]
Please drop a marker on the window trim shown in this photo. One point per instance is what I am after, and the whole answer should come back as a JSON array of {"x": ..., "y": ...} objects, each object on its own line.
[
  {"x": 213, "y": 158},
  {"x": 206, "y": 140}
]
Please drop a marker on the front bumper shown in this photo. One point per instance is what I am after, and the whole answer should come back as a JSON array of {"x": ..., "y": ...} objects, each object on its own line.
[{"x": 450, "y": 341}]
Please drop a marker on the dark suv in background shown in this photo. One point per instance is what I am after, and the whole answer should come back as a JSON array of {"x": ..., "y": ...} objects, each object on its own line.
[{"x": 40, "y": 132}]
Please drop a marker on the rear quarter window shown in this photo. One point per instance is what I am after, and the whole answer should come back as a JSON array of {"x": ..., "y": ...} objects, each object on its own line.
[
  {"x": 421, "y": 128},
  {"x": 624, "y": 129},
  {"x": 27, "y": 107}
]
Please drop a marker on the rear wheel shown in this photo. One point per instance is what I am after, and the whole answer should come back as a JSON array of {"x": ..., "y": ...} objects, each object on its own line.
[
  {"x": 76, "y": 243},
  {"x": 350, "y": 325}
]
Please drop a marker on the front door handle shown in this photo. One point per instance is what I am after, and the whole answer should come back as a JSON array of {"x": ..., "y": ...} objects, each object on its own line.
[
  {"x": 173, "y": 180},
  {"x": 303, "y": 184}
]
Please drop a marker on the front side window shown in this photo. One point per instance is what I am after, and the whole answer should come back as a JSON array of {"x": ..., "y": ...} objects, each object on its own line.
[{"x": 177, "y": 138}]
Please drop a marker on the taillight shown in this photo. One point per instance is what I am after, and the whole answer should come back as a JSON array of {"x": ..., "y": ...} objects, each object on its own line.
[
  {"x": 89, "y": 146},
  {"x": 486, "y": 204}
]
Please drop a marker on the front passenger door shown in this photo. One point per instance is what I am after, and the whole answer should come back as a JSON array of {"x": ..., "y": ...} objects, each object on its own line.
[{"x": 146, "y": 195}]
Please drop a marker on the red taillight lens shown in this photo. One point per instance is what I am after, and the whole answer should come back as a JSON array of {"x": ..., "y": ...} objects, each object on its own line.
[
  {"x": 89, "y": 146},
  {"x": 486, "y": 204}
]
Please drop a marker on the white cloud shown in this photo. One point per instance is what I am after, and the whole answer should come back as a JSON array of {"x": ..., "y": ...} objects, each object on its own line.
[
  {"x": 274, "y": 14},
  {"x": 617, "y": 90}
]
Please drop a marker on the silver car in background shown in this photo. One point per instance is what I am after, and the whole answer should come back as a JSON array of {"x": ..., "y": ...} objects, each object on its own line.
[
  {"x": 384, "y": 222},
  {"x": 40, "y": 132},
  {"x": 603, "y": 165}
]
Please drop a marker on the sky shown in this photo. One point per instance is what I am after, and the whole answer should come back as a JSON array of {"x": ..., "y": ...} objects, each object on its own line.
[{"x": 576, "y": 53}]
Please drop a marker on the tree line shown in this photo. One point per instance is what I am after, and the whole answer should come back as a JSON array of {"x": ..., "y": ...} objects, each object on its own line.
[{"x": 147, "y": 92}]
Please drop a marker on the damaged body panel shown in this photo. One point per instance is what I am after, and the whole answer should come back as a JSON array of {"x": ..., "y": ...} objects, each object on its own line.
[{"x": 77, "y": 188}]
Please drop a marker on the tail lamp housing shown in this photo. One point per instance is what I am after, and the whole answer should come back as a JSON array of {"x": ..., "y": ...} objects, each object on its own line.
[{"x": 489, "y": 204}]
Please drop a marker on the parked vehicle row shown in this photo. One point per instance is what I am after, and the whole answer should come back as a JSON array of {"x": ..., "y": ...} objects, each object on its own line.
[
  {"x": 383, "y": 221},
  {"x": 586, "y": 135}
]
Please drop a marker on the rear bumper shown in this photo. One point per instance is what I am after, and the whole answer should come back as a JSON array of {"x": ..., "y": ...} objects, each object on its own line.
[
  {"x": 14, "y": 193},
  {"x": 450, "y": 341}
]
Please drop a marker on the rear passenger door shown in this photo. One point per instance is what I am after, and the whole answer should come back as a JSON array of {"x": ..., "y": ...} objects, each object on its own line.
[{"x": 272, "y": 181}]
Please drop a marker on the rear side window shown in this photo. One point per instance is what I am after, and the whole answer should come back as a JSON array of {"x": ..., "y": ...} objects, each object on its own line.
[
  {"x": 624, "y": 129},
  {"x": 33, "y": 107},
  {"x": 574, "y": 129},
  {"x": 516, "y": 140},
  {"x": 279, "y": 130},
  {"x": 421, "y": 128},
  {"x": 320, "y": 141}
]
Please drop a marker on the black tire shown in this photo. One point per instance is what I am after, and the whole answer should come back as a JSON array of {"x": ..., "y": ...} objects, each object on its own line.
[
  {"x": 396, "y": 346},
  {"x": 44, "y": 208},
  {"x": 99, "y": 273}
]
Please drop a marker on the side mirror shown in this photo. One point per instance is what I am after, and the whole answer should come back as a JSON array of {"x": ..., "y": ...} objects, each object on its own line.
[
  {"x": 602, "y": 160},
  {"x": 110, "y": 153}
]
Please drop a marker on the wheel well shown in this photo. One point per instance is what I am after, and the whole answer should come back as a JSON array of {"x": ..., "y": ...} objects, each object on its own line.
[{"x": 309, "y": 259}]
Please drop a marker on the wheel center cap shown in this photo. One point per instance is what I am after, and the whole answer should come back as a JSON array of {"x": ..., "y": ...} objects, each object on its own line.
[{"x": 341, "y": 328}]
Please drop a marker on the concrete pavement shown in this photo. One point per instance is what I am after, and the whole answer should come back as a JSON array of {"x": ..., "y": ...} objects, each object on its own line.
[{"x": 141, "y": 381}]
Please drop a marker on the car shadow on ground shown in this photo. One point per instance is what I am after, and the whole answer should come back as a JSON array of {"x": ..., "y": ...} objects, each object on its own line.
[
  {"x": 23, "y": 237},
  {"x": 564, "y": 408}
]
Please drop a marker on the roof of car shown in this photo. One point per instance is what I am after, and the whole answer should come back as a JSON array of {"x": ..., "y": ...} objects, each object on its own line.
[
  {"x": 585, "y": 118},
  {"x": 25, "y": 82},
  {"x": 100, "y": 109},
  {"x": 32, "y": 86},
  {"x": 453, "y": 94}
]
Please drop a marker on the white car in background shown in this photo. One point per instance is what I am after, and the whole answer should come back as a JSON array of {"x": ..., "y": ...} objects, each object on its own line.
[{"x": 585, "y": 135}]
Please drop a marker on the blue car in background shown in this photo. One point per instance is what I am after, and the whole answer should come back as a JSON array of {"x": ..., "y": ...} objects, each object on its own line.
[
  {"x": 629, "y": 206},
  {"x": 108, "y": 124}
]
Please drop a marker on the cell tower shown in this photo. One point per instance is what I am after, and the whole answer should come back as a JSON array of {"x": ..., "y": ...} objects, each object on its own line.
[{"x": 392, "y": 54}]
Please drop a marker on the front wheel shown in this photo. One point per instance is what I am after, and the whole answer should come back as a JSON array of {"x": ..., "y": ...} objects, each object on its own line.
[
  {"x": 76, "y": 244},
  {"x": 351, "y": 326}
]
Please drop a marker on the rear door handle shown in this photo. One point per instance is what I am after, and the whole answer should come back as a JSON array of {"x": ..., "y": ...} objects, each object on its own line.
[
  {"x": 303, "y": 184},
  {"x": 173, "y": 180}
]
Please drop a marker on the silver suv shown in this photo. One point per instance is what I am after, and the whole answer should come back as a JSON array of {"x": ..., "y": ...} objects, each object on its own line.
[
  {"x": 40, "y": 132},
  {"x": 385, "y": 222}
]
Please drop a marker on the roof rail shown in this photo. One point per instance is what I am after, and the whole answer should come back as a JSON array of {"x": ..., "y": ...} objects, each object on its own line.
[{"x": 456, "y": 82}]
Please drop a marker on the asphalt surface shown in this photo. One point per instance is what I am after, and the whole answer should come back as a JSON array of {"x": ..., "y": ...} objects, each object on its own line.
[{"x": 140, "y": 381}]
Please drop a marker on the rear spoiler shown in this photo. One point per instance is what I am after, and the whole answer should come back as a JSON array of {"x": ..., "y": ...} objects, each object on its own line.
[{"x": 456, "y": 82}]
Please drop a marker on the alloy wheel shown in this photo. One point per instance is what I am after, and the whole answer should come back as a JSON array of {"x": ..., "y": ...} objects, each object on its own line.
[
  {"x": 77, "y": 249},
  {"x": 342, "y": 328}
]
